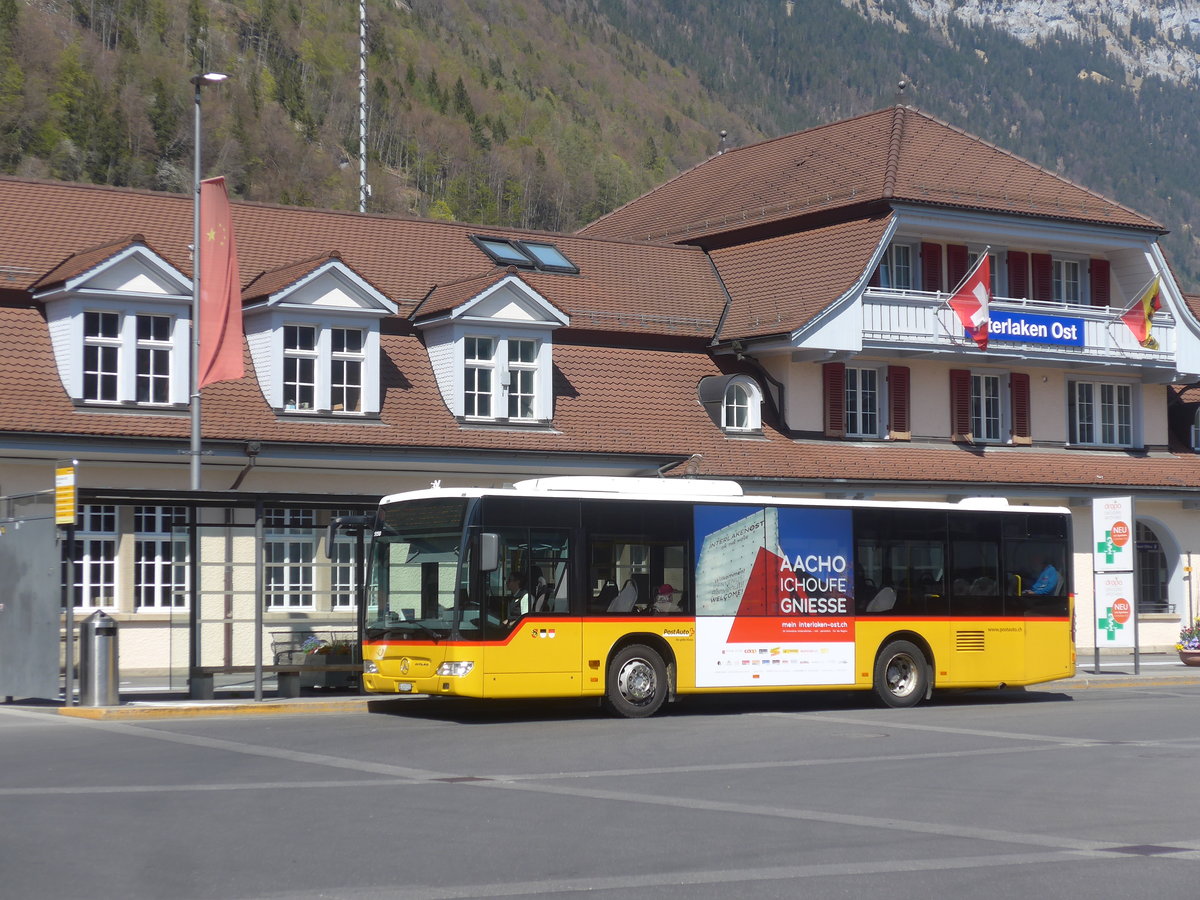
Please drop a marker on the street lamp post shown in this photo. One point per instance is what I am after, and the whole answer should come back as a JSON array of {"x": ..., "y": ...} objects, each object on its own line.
[{"x": 198, "y": 81}]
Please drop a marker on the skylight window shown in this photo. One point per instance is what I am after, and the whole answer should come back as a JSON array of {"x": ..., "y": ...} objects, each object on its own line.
[
  {"x": 548, "y": 257},
  {"x": 525, "y": 254}
]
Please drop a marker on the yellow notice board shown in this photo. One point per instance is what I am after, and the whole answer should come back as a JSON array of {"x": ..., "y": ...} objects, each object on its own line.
[{"x": 64, "y": 494}]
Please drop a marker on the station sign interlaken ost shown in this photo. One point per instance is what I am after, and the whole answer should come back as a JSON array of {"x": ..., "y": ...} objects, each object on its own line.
[{"x": 1034, "y": 328}]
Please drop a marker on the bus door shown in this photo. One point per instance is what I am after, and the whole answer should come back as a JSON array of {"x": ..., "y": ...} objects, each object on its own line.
[{"x": 533, "y": 644}]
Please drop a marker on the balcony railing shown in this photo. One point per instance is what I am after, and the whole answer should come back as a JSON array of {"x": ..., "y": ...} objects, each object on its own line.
[{"x": 922, "y": 320}]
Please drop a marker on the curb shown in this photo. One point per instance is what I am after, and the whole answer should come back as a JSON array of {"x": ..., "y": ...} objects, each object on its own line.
[
  {"x": 1123, "y": 680},
  {"x": 185, "y": 710}
]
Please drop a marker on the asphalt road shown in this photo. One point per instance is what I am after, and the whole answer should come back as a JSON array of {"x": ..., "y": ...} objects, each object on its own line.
[{"x": 1045, "y": 794}]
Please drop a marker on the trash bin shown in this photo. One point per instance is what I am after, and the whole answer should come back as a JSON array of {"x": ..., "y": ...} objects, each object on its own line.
[{"x": 99, "y": 681}]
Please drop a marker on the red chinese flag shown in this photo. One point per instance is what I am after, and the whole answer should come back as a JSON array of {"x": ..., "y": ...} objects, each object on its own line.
[
  {"x": 220, "y": 289},
  {"x": 970, "y": 301}
]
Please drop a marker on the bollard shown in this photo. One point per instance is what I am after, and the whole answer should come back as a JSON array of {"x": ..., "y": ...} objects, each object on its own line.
[{"x": 99, "y": 681}]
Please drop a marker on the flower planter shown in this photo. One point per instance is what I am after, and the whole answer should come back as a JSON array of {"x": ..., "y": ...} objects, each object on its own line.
[
  {"x": 1189, "y": 657},
  {"x": 328, "y": 679}
]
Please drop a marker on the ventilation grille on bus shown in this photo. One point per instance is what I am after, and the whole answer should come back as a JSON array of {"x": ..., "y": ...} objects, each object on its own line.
[{"x": 968, "y": 641}]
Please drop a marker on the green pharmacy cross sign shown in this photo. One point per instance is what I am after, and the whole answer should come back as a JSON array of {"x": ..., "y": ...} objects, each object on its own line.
[
  {"x": 1110, "y": 625},
  {"x": 1108, "y": 548}
]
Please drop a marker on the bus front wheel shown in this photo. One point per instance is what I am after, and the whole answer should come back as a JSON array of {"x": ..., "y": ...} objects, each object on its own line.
[
  {"x": 637, "y": 682},
  {"x": 901, "y": 675}
]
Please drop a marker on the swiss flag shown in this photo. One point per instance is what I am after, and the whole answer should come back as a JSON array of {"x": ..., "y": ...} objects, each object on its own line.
[{"x": 970, "y": 301}]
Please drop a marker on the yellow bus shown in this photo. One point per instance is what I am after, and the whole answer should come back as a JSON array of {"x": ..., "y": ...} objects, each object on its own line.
[{"x": 639, "y": 591}]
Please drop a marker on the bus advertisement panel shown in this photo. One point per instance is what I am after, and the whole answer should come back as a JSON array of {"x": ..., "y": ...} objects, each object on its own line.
[{"x": 774, "y": 596}]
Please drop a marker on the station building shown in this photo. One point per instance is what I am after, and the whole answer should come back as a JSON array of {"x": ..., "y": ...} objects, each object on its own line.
[{"x": 776, "y": 315}]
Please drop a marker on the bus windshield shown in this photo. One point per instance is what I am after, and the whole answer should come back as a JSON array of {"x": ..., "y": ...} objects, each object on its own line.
[{"x": 417, "y": 571}]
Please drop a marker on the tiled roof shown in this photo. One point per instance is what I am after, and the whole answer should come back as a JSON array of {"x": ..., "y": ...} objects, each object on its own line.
[
  {"x": 849, "y": 466},
  {"x": 621, "y": 286},
  {"x": 85, "y": 261},
  {"x": 778, "y": 284},
  {"x": 892, "y": 155},
  {"x": 267, "y": 283},
  {"x": 446, "y": 297}
]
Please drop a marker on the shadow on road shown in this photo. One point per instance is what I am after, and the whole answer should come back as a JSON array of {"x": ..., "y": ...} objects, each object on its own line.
[{"x": 483, "y": 712}]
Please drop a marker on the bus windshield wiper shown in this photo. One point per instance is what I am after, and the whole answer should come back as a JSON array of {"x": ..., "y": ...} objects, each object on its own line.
[{"x": 426, "y": 629}]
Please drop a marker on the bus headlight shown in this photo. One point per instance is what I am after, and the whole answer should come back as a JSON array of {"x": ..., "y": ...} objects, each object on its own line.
[
  {"x": 455, "y": 668},
  {"x": 370, "y": 668}
]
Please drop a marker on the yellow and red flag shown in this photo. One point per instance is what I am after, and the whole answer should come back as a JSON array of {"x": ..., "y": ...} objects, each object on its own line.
[
  {"x": 970, "y": 301},
  {"x": 220, "y": 289},
  {"x": 1140, "y": 315}
]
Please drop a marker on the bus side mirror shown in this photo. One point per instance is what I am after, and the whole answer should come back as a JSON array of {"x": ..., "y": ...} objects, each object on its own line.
[
  {"x": 489, "y": 552},
  {"x": 351, "y": 525}
]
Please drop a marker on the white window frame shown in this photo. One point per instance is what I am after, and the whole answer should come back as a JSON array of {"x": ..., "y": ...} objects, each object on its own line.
[
  {"x": 500, "y": 382},
  {"x": 742, "y": 401},
  {"x": 154, "y": 350},
  {"x": 298, "y": 358},
  {"x": 160, "y": 559},
  {"x": 980, "y": 415},
  {"x": 124, "y": 351},
  {"x": 480, "y": 383},
  {"x": 102, "y": 356},
  {"x": 289, "y": 558},
  {"x": 522, "y": 379},
  {"x": 890, "y": 265},
  {"x": 342, "y": 389},
  {"x": 1064, "y": 289},
  {"x": 858, "y": 418},
  {"x": 1102, "y": 425},
  {"x": 94, "y": 572}
]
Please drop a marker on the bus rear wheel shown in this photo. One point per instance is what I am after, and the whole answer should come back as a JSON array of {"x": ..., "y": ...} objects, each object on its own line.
[
  {"x": 637, "y": 682},
  {"x": 901, "y": 675}
]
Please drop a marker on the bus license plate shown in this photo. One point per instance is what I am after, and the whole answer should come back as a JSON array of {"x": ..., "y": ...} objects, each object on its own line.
[{"x": 404, "y": 687}]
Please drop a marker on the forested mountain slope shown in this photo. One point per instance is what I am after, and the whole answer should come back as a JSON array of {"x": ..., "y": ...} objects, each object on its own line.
[{"x": 547, "y": 113}]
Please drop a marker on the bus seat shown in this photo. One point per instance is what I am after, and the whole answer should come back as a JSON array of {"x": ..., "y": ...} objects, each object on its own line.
[
  {"x": 541, "y": 596},
  {"x": 883, "y": 601},
  {"x": 624, "y": 601}
]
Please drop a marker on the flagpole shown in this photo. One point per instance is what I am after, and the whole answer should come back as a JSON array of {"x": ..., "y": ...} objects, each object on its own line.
[
  {"x": 194, "y": 448},
  {"x": 1139, "y": 293},
  {"x": 983, "y": 254}
]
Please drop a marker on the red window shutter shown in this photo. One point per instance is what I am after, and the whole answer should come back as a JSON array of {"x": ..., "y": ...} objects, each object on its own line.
[
  {"x": 1100, "y": 283},
  {"x": 1021, "y": 427},
  {"x": 956, "y": 264},
  {"x": 834, "y": 375},
  {"x": 1018, "y": 274},
  {"x": 899, "y": 428},
  {"x": 960, "y": 405},
  {"x": 1043, "y": 276},
  {"x": 931, "y": 267}
]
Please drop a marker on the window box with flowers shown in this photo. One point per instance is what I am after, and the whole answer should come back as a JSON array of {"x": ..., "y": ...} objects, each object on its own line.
[{"x": 1189, "y": 644}]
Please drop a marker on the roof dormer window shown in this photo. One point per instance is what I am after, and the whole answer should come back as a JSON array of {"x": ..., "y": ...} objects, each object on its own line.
[
  {"x": 733, "y": 402},
  {"x": 491, "y": 343},
  {"x": 119, "y": 320},
  {"x": 313, "y": 330}
]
